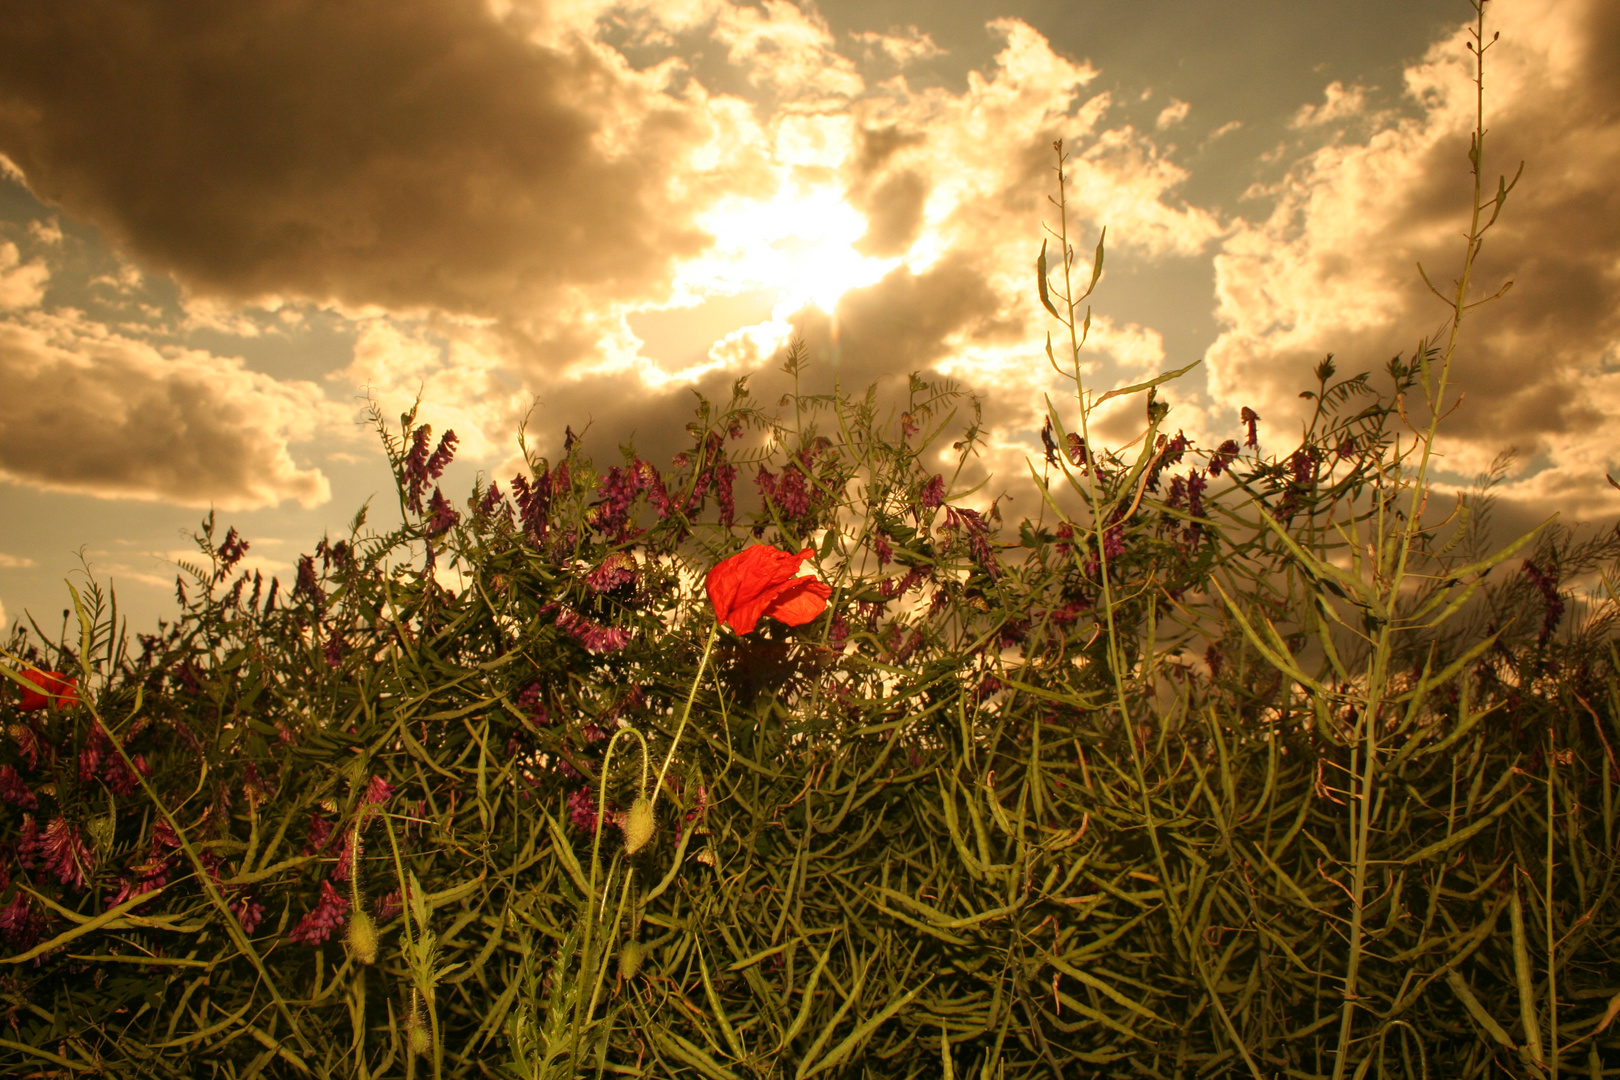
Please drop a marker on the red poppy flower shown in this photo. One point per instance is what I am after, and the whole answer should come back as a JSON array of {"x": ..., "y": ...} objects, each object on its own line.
[
  {"x": 54, "y": 689},
  {"x": 761, "y": 580}
]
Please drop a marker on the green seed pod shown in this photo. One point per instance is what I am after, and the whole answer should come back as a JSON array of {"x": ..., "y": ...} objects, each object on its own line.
[
  {"x": 362, "y": 937},
  {"x": 417, "y": 1038},
  {"x": 638, "y": 825},
  {"x": 630, "y": 957}
]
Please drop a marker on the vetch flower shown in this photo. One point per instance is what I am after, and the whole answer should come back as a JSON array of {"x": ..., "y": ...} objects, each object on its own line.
[
  {"x": 55, "y": 689},
  {"x": 65, "y": 853},
  {"x": 327, "y": 916},
  {"x": 1250, "y": 419},
  {"x": 762, "y": 580}
]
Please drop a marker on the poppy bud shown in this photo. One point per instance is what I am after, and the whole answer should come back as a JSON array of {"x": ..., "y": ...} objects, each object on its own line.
[
  {"x": 362, "y": 937},
  {"x": 638, "y": 825},
  {"x": 417, "y": 1038},
  {"x": 630, "y": 957}
]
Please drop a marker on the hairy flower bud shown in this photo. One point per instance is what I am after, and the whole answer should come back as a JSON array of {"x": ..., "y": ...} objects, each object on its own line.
[
  {"x": 416, "y": 1031},
  {"x": 362, "y": 936},
  {"x": 630, "y": 957},
  {"x": 638, "y": 825}
]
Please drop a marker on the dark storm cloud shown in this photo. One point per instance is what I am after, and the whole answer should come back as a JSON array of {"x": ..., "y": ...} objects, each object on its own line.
[{"x": 403, "y": 153}]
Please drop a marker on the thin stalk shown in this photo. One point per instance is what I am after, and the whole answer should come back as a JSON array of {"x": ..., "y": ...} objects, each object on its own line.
[
  {"x": 1547, "y": 912},
  {"x": 1436, "y": 385},
  {"x": 1116, "y": 657}
]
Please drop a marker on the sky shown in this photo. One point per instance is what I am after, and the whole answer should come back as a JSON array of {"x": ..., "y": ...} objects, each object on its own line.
[{"x": 225, "y": 228}]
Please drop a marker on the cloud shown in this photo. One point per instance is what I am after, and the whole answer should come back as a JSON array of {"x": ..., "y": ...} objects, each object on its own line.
[
  {"x": 89, "y": 410},
  {"x": 48, "y": 233},
  {"x": 409, "y": 153},
  {"x": 903, "y": 46},
  {"x": 488, "y": 193},
  {"x": 786, "y": 49},
  {"x": 1333, "y": 267},
  {"x": 22, "y": 285},
  {"x": 1338, "y": 103},
  {"x": 14, "y": 562},
  {"x": 1172, "y": 114}
]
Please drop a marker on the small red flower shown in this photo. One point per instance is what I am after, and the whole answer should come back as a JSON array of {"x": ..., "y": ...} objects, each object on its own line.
[
  {"x": 54, "y": 689},
  {"x": 762, "y": 580}
]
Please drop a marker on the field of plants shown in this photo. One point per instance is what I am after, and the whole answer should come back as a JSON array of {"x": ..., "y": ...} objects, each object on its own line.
[{"x": 790, "y": 757}]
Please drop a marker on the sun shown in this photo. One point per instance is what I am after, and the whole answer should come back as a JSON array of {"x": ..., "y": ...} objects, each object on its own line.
[{"x": 801, "y": 243}]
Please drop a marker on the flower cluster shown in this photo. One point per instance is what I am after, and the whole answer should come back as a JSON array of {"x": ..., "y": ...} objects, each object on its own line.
[
  {"x": 420, "y": 468},
  {"x": 591, "y": 634},
  {"x": 328, "y": 914}
]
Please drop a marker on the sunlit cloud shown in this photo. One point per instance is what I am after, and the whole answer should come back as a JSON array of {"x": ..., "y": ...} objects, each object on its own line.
[
  {"x": 22, "y": 285},
  {"x": 1334, "y": 266},
  {"x": 526, "y": 196},
  {"x": 90, "y": 410}
]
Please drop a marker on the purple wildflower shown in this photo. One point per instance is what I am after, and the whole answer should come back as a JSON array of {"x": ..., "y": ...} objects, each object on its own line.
[
  {"x": 1114, "y": 542},
  {"x": 1546, "y": 583},
  {"x": 1303, "y": 466},
  {"x": 582, "y": 810},
  {"x": 119, "y": 777},
  {"x": 334, "y": 649},
  {"x": 1195, "y": 493},
  {"x": 15, "y": 791},
  {"x": 1223, "y": 457},
  {"x": 531, "y": 700},
  {"x": 880, "y": 546},
  {"x": 442, "y": 455},
  {"x": 933, "y": 493},
  {"x": 1049, "y": 442},
  {"x": 1177, "y": 494},
  {"x": 422, "y": 469},
  {"x": 617, "y": 570},
  {"x": 21, "y": 926},
  {"x": 249, "y": 914},
  {"x": 534, "y": 504},
  {"x": 837, "y": 633},
  {"x": 725, "y": 479},
  {"x": 1251, "y": 420},
  {"x": 329, "y": 914},
  {"x": 378, "y": 791},
  {"x": 493, "y": 502},
  {"x": 611, "y": 514},
  {"x": 66, "y": 854},
  {"x": 442, "y": 517},
  {"x": 230, "y": 553},
  {"x": 309, "y": 585},
  {"x": 595, "y": 637},
  {"x": 320, "y": 833}
]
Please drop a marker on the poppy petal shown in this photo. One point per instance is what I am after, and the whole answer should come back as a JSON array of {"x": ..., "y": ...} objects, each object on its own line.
[
  {"x": 800, "y": 601},
  {"x": 742, "y": 587}
]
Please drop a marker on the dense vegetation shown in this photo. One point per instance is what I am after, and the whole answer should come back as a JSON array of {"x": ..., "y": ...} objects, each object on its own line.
[{"x": 1230, "y": 761}]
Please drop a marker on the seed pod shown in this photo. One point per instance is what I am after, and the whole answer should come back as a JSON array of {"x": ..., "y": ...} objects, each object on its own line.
[
  {"x": 417, "y": 1038},
  {"x": 630, "y": 957},
  {"x": 638, "y": 825},
  {"x": 362, "y": 937}
]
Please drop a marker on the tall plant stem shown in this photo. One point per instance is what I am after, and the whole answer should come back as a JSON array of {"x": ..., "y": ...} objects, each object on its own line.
[
  {"x": 1436, "y": 384},
  {"x": 1116, "y": 655}
]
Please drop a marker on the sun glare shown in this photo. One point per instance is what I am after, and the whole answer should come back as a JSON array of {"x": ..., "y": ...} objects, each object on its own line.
[{"x": 800, "y": 243}]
